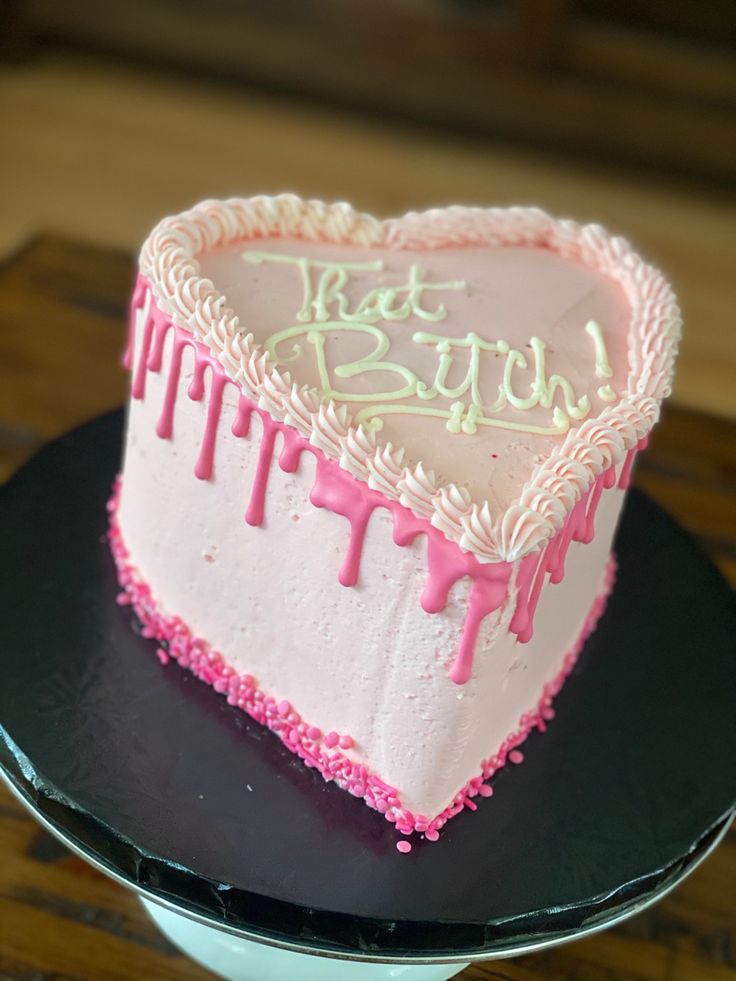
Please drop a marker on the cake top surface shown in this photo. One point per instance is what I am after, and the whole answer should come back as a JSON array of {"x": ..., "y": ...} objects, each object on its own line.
[
  {"x": 451, "y": 355},
  {"x": 480, "y": 366}
]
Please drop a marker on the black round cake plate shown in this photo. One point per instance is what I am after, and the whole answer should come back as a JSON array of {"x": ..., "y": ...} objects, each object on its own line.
[{"x": 153, "y": 777}]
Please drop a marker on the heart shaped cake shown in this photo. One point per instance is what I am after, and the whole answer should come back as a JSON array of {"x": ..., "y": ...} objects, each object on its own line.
[{"x": 373, "y": 472}]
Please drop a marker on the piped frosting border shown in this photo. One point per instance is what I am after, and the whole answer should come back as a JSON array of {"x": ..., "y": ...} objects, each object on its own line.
[{"x": 169, "y": 261}]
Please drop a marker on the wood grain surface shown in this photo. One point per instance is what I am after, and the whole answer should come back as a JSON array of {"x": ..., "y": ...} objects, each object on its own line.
[{"x": 62, "y": 312}]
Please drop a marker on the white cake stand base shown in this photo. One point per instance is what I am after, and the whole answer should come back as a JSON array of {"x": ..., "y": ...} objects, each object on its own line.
[{"x": 237, "y": 959}]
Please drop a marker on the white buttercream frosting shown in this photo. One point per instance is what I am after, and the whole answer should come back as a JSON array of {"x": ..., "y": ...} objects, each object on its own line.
[{"x": 172, "y": 260}]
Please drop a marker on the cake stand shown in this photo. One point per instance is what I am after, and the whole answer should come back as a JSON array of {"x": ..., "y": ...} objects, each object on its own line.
[{"x": 256, "y": 867}]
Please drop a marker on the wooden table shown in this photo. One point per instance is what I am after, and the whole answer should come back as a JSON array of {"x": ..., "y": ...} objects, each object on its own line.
[{"x": 62, "y": 312}]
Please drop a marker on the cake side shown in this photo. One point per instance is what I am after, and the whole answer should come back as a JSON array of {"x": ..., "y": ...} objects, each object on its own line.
[
  {"x": 269, "y": 598},
  {"x": 329, "y": 753}
]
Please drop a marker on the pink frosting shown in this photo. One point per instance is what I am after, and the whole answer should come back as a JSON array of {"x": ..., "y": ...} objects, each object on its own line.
[
  {"x": 496, "y": 302},
  {"x": 509, "y": 546},
  {"x": 328, "y": 753},
  {"x": 494, "y": 531},
  {"x": 343, "y": 494}
]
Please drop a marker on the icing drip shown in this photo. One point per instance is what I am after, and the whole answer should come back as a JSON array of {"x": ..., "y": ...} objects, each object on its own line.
[
  {"x": 406, "y": 527},
  {"x": 165, "y": 425},
  {"x": 336, "y": 490},
  {"x": 140, "y": 294},
  {"x": 291, "y": 451},
  {"x": 138, "y": 385},
  {"x": 203, "y": 466},
  {"x": 589, "y": 528},
  {"x": 156, "y": 351},
  {"x": 341, "y": 494},
  {"x": 579, "y": 526},
  {"x": 196, "y": 386},
  {"x": 442, "y": 575},
  {"x": 254, "y": 513},
  {"x": 489, "y": 590},
  {"x": 525, "y": 578},
  {"x": 485, "y": 597},
  {"x": 241, "y": 423},
  {"x": 574, "y": 529},
  {"x": 525, "y": 635}
]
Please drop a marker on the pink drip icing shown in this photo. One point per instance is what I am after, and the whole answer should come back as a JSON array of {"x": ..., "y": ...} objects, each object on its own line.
[
  {"x": 139, "y": 292},
  {"x": 572, "y": 530},
  {"x": 196, "y": 386},
  {"x": 291, "y": 451},
  {"x": 587, "y": 532},
  {"x": 136, "y": 303},
  {"x": 486, "y": 596},
  {"x": 156, "y": 352},
  {"x": 326, "y": 753},
  {"x": 165, "y": 425},
  {"x": 535, "y": 567},
  {"x": 407, "y": 526},
  {"x": 444, "y": 569},
  {"x": 138, "y": 385},
  {"x": 203, "y": 466},
  {"x": 526, "y": 634},
  {"x": 524, "y": 580},
  {"x": 241, "y": 423},
  {"x": 488, "y": 592},
  {"x": 554, "y": 557},
  {"x": 350, "y": 569},
  {"x": 342, "y": 494},
  {"x": 257, "y": 502}
]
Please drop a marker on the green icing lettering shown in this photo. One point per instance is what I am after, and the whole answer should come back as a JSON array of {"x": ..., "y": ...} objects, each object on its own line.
[{"x": 326, "y": 309}]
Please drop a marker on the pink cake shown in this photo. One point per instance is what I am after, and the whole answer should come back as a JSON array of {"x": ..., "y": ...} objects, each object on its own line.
[{"x": 373, "y": 471}]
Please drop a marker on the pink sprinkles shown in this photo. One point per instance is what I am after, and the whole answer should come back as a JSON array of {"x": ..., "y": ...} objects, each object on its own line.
[{"x": 323, "y": 753}]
